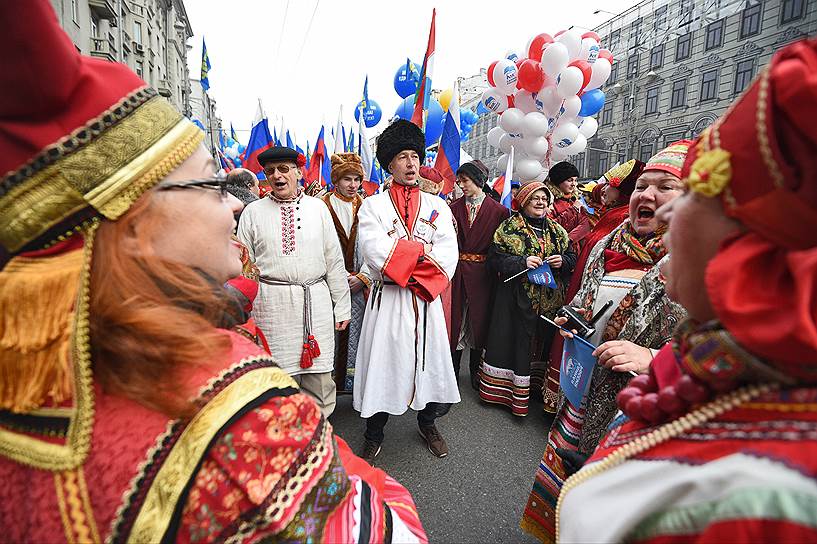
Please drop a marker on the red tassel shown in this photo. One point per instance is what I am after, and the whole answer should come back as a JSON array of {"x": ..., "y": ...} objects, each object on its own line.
[
  {"x": 306, "y": 356},
  {"x": 314, "y": 348}
]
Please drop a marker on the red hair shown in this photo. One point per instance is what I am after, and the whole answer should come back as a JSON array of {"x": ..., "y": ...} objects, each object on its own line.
[{"x": 151, "y": 319}]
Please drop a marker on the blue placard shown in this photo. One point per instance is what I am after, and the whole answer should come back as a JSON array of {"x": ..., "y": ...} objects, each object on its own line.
[
  {"x": 577, "y": 369},
  {"x": 542, "y": 275}
]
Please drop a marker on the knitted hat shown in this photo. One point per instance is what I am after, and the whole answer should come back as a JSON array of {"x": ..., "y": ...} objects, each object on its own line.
[
  {"x": 398, "y": 137},
  {"x": 526, "y": 192},
  {"x": 476, "y": 171},
  {"x": 344, "y": 164},
  {"x": 670, "y": 159},
  {"x": 624, "y": 176},
  {"x": 562, "y": 171}
]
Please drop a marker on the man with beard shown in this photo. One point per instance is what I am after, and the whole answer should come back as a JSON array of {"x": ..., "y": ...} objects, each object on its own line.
[
  {"x": 304, "y": 294},
  {"x": 407, "y": 240},
  {"x": 343, "y": 203}
]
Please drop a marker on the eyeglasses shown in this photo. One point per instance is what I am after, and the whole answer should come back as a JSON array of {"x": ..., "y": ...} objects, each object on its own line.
[
  {"x": 217, "y": 183},
  {"x": 283, "y": 168},
  {"x": 538, "y": 199}
]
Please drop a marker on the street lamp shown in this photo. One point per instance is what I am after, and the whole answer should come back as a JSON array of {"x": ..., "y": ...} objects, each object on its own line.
[{"x": 604, "y": 11}]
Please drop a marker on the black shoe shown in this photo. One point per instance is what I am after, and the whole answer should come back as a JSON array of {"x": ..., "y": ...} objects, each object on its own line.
[{"x": 371, "y": 450}]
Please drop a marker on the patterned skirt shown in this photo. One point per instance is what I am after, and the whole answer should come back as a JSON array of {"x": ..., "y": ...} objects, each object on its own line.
[{"x": 539, "y": 518}]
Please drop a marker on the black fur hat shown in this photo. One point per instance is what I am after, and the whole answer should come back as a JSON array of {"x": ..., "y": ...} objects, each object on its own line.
[{"x": 398, "y": 137}]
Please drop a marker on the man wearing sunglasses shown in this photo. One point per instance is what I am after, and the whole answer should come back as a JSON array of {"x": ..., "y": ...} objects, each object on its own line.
[{"x": 303, "y": 295}]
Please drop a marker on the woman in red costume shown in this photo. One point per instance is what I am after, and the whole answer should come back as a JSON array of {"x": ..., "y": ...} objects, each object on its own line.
[
  {"x": 128, "y": 409},
  {"x": 719, "y": 442}
]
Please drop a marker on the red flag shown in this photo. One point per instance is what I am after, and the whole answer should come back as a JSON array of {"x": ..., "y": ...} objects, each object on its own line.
[{"x": 424, "y": 91}]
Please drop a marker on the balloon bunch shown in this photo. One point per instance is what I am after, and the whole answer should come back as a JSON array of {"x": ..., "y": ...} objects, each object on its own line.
[
  {"x": 546, "y": 100},
  {"x": 233, "y": 151}
]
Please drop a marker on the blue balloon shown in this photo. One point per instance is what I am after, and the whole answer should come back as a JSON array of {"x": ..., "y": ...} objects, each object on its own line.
[
  {"x": 405, "y": 83},
  {"x": 242, "y": 148},
  {"x": 592, "y": 102},
  {"x": 481, "y": 109},
  {"x": 434, "y": 121},
  {"x": 371, "y": 115},
  {"x": 464, "y": 138}
]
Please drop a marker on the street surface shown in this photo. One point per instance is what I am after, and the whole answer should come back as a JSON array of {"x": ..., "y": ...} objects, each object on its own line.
[{"x": 478, "y": 492}]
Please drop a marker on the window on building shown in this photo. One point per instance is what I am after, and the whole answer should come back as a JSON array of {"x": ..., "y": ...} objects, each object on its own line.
[
  {"x": 632, "y": 66},
  {"x": 615, "y": 39},
  {"x": 578, "y": 162},
  {"x": 750, "y": 20},
  {"x": 140, "y": 68},
  {"x": 75, "y": 11},
  {"x": 714, "y": 34},
  {"x": 679, "y": 94},
  {"x": 685, "y": 9},
  {"x": 652, "y": 101},
  {"x": 791, "y": 10},
  {"x": 709, "y": 85},
  {"x": 673, "y": 137},
  {"x": 683, "y": 47},
  {"x": 94, "y": 27},
  {"x": 635, "y": 32},
  {"x": 613, "y": 73},
  {"x": 660, "y": 21},
  {"x": 604, "y": 162},
  {"x": 607, "y": 115},
  {"x": 137, "y": 32},
  {"x": 645, "y": 152},
  {"x": 627, "y": 103},
  {"x": 744, "y": 72},
  {"x": 657, "y": 56}
]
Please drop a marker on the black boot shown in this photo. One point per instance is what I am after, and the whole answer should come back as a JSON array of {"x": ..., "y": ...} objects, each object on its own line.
[
  {"x": 474, "y": 360},
  {"x": 456, "y": 357}
]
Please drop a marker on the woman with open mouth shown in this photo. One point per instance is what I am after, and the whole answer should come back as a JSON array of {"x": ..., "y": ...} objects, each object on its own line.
[{"x": 623, "y": 278}]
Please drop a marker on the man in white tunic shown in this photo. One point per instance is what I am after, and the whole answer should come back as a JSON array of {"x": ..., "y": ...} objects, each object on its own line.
[
  {"x": 344, "y": 203},
  {"x": 407, "y": 240},
  {"x": 303, "y": 293}
]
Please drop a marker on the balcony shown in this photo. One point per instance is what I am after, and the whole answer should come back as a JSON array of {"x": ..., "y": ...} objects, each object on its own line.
[
  {"x": 164, "y": 88},
  {"x": 102, "y": 49},
  {"x": 104, "y": 9}
]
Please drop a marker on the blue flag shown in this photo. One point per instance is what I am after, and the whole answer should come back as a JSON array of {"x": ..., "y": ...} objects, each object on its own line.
[
  {"x": 205, "y": 66},
  {"x": 576, "y": 369},
  {"x": 542, "y": 276},
  {"x": 233, "y": 135}
]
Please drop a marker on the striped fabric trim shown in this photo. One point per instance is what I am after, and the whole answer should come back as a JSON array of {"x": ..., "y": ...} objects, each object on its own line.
[
  {"x": 746, "y": 504},
  {"x": 502, "y": 386}
]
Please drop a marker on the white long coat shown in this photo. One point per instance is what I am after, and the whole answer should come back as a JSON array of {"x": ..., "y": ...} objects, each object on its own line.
[
  {"x": 403, "y": 357},
  {"x": 296, "y": 242}
]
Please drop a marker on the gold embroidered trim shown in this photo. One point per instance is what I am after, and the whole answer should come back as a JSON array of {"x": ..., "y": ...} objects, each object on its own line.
[
  {"x": 75, "y": 507},
  {"x": 762, "y": 131},
  {"x": 35, "y": 453},
  {"x": 156, "y": 513},
  {"x": 110, "y": 173}
]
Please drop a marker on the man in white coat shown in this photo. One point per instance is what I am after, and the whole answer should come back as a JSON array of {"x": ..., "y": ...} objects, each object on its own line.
[
  {"x": 303, "y": 293},
  {"x": 407, "y": 240}
]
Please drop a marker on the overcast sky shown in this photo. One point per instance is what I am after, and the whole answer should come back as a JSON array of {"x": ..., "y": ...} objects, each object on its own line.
[{"x": 305, "y": 73}]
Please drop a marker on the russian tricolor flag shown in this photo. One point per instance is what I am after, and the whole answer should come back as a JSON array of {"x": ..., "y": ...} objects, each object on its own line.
[
  {"x": 502, "y": 185},
  {"x": 423, "y": 94},
  {"x": 320, "y": 166},
  {"x": 448, "y": 153},
  {"x": 260, "y": 141}
]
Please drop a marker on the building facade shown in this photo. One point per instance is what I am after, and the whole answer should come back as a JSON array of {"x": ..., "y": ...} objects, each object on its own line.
[
  {"x": 203, "y": 109},
  {"x": 679, "y": 65},
  {"x": 150, "y": 36}
]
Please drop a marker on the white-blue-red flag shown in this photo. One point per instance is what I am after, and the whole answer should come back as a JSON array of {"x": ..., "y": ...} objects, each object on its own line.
[
  {"x": 320, "y": 167},
  {"x": 423, "y": 94},
  {"x": 260, "y": 140},
  {"x": 502, "y": 185},
  {"x": 448, "y": 153}
]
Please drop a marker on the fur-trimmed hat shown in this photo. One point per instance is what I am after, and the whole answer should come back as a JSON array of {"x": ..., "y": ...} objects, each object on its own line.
[
  {"x": 398, "y": 137},
  {"x": 562, "y": 171},
  {"x": 344, "y": 164},
  {"x": 475, "y": 170}
]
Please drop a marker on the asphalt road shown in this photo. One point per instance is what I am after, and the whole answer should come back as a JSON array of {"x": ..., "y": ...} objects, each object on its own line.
[{"x": 478, "y": 492}]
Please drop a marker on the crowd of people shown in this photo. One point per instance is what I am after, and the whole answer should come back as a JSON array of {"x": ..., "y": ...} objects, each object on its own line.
[{"x": 174, "y": 339}]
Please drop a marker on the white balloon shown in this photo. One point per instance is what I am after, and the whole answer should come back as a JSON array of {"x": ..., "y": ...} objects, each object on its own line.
[
  {"x": 551, "y": 101},
  {"x": 571, "y": 106},
  {"x": 555, "y": 58},
  {"x": 511, "y": 55},
  {"x": 536, "y": 148},
  {"x": 564, "y": 135},
  {"x": 565, "y": 119},
  {"x": 527, "y": 169},
  {"x": 494, "y": 100},
  {"x": 588, "y": 127},
  {"x": 599, "y": 74},
  {"x": 509, "y": 140},
  {"x": 569, "y": 82},
  {"x": 511, "y": 120},
  {"x": 494, "y": 135},
  {"x": 534, "y": 124},
  {"x": 590, "y": 50},
  {"x": 558, "y": 155},
  {"x": 542, "y": 177},
  {"x": 505, "y": 75},
  {"x": 527, "y": 102},
  {"x": 577, "y": 146},
  {"x": 502, "y": 163},
  {"x": 572, "y": 40}
]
